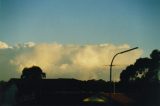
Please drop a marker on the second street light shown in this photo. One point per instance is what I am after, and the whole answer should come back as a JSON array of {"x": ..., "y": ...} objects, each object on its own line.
[{"x": 114, "y": 58}]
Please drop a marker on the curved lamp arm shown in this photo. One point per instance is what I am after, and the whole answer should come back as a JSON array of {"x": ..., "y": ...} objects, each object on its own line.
[
  {"x": 112, "y": 65},
  {"x": 115, "y": 57}
]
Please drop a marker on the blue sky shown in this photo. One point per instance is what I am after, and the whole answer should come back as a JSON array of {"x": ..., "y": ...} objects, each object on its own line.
[
  {"x": 29, "y": 28},
  {"x": 133, "y": 22}
]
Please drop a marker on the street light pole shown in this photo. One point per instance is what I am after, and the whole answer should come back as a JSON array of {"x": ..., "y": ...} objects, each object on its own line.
[{"x": 115, "y": 57}]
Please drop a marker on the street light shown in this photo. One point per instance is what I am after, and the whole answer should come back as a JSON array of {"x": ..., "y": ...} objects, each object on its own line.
[{"x": 114, "y": 58}]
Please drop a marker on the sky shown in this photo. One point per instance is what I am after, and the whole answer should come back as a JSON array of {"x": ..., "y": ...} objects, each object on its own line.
[{"x": 80, "y": 27}]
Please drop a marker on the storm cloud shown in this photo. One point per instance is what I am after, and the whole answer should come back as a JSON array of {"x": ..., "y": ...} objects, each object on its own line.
[{"x": 57, "y": 60}]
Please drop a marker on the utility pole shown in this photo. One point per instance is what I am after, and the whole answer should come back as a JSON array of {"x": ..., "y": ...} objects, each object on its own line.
[{"x": 113, "y": 60}]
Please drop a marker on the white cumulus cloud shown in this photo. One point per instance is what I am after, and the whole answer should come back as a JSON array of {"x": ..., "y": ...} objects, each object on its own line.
[
  {"x": 3, "y": 45},
  {"x": 76, "y": 61},
  {"x": 68, "y": 61}
]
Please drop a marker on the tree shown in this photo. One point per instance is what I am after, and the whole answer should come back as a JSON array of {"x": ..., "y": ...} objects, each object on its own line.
[
  {"x": 127, "y": 74},
  {"x": 154, "y": 69},
  {"x": 155, "y": 55},
  {"x": 146, "y": 69},
  {"x": 33, "y": 72}
]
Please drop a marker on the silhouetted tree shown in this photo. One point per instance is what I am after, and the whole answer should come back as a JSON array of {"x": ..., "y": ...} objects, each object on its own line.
[
  {"x": 127, "y": 74},
  {"x": 154, "y": 68},
  {"x": 33, "y": 72},
  {"x": 155, "y": 55},
  {"x": 146, "y": 69}
]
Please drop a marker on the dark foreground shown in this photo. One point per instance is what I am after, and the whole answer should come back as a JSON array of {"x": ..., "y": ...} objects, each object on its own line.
[{"x": 71, "y": 92}]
